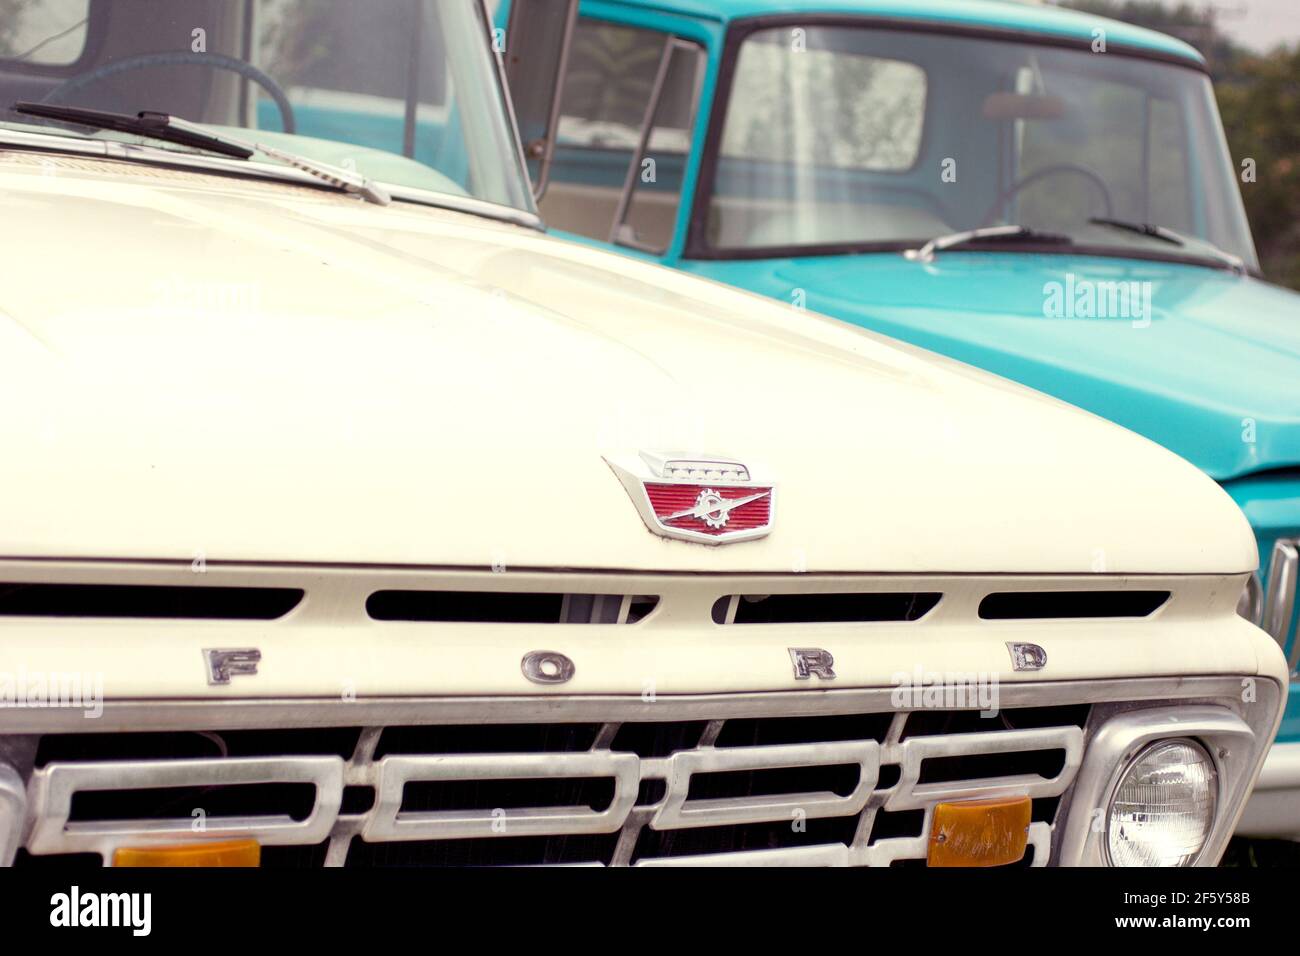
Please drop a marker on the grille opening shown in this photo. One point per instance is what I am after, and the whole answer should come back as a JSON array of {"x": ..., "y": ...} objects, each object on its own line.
[
  {"x": 658, "y": 740},
  {"x": 487, "y": 738},
  {"x": 294, "y": 800},
  {"x": 64, "y": 748},
  {"x": 890, "y": 774},
  {"x": 651, "y": 792},
  {"x": 824, "y": 608},
  {"x": 751, "y": 836},
  {"x": 146, "y": 601},
  {"x": 357, "y": 799},
  {"x": 506, "y": 607},
  {"x": 426, "y": 795},
  {"x": 1044, "y": 763},
  {"x": 897, "y": 823},
  {"x": 57, "y": 861},
  {"x": 759, "y": 731},
  {"x": 640, "y": 607},
  {"x": 1043, "y": 810},
  {"x": 839, "y": 779},
  {"x": 1023, "y": 605},
  {"x": 485, "y": 851},
  {"x": 929, "y": 723},
  {"x": 304, "y": 857}
]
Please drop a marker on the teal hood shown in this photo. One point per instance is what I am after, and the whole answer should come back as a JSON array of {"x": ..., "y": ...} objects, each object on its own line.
[{"x": 1213, "y": 372}]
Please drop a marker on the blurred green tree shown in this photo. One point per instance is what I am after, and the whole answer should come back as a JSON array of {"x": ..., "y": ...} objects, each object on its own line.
[{"x": 1259, "y": 97}]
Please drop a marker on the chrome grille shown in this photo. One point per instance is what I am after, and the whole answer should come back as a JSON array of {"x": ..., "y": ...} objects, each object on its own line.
[
  {"x": 790, "y": 769},
  {"x": 804, "y": 801}
]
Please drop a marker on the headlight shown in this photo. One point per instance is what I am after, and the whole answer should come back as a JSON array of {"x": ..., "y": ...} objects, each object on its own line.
[{"x": 1163, "y": 809}]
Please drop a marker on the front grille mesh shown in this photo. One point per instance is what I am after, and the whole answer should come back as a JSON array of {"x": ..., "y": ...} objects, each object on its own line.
[{"x": 841, "y": 789}]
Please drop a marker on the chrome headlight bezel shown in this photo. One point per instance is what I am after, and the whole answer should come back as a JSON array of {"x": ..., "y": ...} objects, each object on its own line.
[{"x": 1122, "y": 735}]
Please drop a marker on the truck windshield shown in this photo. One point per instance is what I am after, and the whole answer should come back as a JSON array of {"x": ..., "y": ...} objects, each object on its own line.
[
  {"x": 406, "y": 94},
  {"x": 840, "y": 137}
]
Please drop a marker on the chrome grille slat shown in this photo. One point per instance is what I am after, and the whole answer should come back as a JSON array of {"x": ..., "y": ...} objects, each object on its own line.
[
  {"x": 51, "y": 789},
  {"x": 389, "y": 822},
  {"x": 911, "y": 755},
  {"x": 677, "y": 811}
]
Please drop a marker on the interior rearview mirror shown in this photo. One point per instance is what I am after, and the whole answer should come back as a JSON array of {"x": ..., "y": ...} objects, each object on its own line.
[{"x": 1023, "y": 106}]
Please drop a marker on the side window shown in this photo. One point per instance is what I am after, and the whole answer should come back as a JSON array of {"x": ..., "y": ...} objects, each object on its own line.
[
  {"x": 626, "y": 111},
  {"x": 839, "y": 109},
  {"x": 43, "y": 33}
]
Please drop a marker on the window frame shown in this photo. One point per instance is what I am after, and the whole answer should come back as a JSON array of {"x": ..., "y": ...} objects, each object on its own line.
[
  {"x": 672, "y": 42},
  {"x": 697, "y": 246}
]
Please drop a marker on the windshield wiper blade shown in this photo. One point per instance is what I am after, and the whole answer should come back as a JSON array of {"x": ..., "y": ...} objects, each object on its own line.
[
  {"x": 1165, "y": 234},
  {"x": 184, "y": 133},
  {"x": 986, "y": 234},
  {"x": 152, "y": 125}
]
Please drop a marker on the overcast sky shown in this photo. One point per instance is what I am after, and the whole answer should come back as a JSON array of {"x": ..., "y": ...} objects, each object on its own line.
[{"x": 1259, "y": 24}]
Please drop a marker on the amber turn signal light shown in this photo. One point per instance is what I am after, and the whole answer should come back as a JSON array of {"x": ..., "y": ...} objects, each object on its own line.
[
  {"x": 227, "y": 853},
  {"x": 979, "y": 832}
]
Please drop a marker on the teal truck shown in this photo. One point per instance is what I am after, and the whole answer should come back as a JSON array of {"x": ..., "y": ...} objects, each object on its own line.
[{"x": 1038, "y": 192}]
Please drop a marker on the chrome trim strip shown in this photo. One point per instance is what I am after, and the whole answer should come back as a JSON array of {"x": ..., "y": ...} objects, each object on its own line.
[
  {"x": 1279, "y": 602},
  {"x": 254, "y": 713},
  {"x": 831, "y": 854}
]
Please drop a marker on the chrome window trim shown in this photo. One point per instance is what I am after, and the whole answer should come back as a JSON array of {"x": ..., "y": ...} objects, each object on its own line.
[{"x": 1279, "y": 599}]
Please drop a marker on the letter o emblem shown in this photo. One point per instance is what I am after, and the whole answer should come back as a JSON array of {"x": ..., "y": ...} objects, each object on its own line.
[{"x": 547, "y": 667}]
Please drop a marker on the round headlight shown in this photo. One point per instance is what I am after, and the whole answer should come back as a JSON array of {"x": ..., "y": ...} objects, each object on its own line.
[{"x": 1163, "y": 808}]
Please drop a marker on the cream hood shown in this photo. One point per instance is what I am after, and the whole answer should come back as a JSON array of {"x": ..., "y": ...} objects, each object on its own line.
[{"x": 193, "y": 365}]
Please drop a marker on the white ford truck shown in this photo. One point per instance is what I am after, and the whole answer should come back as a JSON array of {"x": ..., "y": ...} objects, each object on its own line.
[{"x": 348, "y": 519}]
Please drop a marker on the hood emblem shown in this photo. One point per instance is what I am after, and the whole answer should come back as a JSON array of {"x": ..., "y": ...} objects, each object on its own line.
[{"x": 701, "y": 498}]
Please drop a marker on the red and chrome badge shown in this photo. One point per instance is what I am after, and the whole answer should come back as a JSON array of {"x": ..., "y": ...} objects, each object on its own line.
[{"x": 698, "y": 498}]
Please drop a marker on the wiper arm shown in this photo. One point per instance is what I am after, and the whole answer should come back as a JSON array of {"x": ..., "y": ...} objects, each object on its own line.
[
  {"x": 986, "y": 234},
  {"x": 170, "y": 129},
  {"x": 1165, "y": 234},
  {"x": 151, "y": 125}
]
